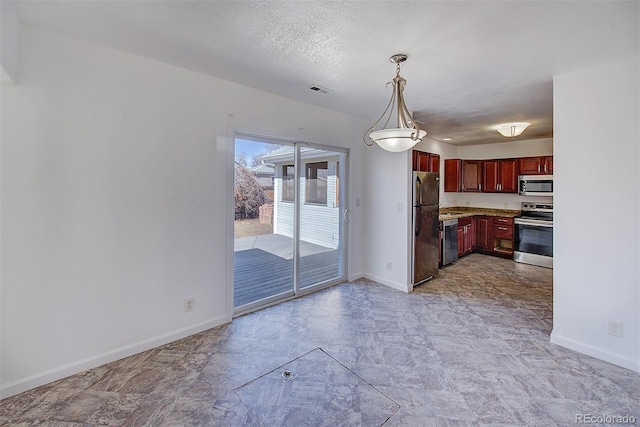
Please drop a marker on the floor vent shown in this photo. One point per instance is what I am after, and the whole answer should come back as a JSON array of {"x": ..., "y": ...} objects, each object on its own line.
[{"x": 322, "y": 392}]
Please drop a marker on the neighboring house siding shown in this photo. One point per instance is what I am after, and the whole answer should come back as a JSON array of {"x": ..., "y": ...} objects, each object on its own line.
[{"x": 319, "y": 224}]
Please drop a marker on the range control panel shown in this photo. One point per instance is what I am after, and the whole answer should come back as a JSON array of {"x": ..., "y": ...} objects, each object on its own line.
[{"x": 537, "y": 207}]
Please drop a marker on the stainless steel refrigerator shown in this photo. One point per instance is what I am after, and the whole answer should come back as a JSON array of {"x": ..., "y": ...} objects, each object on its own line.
[{"x": 426, "y": 195}]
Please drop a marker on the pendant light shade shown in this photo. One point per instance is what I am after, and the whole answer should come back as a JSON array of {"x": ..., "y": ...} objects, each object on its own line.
[
  {"x": 514, "y": 129},
  {"x": 407, "y": 132},
  {"x": 397, "y": 140}
]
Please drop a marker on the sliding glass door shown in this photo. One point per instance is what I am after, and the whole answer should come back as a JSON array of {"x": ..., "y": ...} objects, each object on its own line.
[
  {"x": 263, "y": 254},
  {"x": 321, "y": 216},
  {"x": 289, "y": 227}
]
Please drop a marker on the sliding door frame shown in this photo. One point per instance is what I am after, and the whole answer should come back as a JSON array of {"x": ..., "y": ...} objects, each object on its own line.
[{"x": 342, "y": 221}]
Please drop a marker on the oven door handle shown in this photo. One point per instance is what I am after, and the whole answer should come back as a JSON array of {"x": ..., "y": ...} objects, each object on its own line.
[{"x": 534, "y": 223}]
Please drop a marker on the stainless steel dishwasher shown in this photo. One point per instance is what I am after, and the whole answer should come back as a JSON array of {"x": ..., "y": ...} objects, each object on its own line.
[{"x": 449, "y": 230}]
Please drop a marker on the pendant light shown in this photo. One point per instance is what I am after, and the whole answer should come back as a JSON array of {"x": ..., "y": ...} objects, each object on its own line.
[{"x": 407, "y": 133}]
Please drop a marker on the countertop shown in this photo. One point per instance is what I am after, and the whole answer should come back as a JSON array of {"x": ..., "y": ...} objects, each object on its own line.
[{"x": 467, "y": 212}]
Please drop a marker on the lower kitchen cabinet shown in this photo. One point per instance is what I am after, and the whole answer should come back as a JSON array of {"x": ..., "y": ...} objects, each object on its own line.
[
  {"x": 466, "y": 236},
  {"x": 503, "y": 236},
  {"x": 484, "y": 242},
  {"x": 494, "y": 235},
  {"x": 489, "y": 235}
]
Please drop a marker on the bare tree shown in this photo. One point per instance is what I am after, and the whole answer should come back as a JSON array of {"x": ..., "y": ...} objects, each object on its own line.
[
  {"x": 241, "y": 159},
  {"x": 268, "y": 148},
  {"x": 248, "y": 194}
]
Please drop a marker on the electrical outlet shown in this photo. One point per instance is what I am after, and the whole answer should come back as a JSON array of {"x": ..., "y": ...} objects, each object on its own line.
[
  {"x": 389, "y": 266},
  {"x": 189, "y": 304},
  {"x": 615, "y": 328}
]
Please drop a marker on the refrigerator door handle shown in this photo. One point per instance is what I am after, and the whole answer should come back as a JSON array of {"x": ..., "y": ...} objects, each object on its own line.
[
  {"x": 418, "y": 200},
  {"x": 418, "y": 221},
  {"x": 345, "y": 216}
]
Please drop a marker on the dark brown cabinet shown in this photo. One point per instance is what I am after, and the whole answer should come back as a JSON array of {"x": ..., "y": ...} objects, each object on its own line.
[
  {"x": 462, "y": 175},
  {"x": 483, "y": 233},
  {"x": 491, "y": 235},
  {"x": 471, "y": 176},
  {"x": 494, "y": 175},
  {"x": 500, "y": 176},
  {"x": 425, "y": 162},
  {"x": 494, "y": 235},
  {"x": 453, "y": 175},
  {"x": 542, "y": 165},
  {"x": 466, "y": 236},
  {"x": 434, "y": 162},
  {"x": 502, "y": 235}
]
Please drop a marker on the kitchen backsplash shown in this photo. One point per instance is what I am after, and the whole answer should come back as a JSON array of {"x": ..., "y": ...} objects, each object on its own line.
[{"x": 492, "y": 201}]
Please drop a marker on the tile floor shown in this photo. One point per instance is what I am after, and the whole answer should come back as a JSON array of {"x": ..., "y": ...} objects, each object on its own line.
[{"x": 468, "y": 348}]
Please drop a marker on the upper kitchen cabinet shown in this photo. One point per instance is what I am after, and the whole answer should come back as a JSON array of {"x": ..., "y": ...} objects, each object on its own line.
[
  {"x": 434, "y": 162},
  {"x": 462, "y": 175},
  {"x": 425, "y": 162},
  {"x": 536, "y": 165},
  {"x": 500, "y": 176}
]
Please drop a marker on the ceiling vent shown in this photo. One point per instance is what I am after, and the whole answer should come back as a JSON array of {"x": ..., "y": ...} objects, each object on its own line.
[{"x": 319, "y": 89}]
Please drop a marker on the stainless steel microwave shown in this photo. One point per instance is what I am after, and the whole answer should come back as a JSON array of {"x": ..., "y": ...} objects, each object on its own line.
[{"x": 535, "y": 185}]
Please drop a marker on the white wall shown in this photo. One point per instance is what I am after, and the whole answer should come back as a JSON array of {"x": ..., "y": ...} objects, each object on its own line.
[
  {"x": 597, "y": 214},
  {"x": 115, "y": 204},
  {"x": 507, "y": 149},
  {"x": 9, "y": 43},
  {"x": 387, "y": 205}
]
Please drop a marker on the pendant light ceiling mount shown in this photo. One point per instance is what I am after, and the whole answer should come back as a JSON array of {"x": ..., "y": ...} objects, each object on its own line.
[
  {"x": 398, "y": 58},
  {"x": 407, "y": 132}
]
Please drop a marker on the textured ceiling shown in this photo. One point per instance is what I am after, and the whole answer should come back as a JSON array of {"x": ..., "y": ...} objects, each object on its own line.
[{"x": 471, "y": 65}]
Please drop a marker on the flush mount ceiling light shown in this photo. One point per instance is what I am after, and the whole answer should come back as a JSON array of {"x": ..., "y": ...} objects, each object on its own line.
[
  {"x": 514, "y": 129},
  {"x": 407, "y": 133}
]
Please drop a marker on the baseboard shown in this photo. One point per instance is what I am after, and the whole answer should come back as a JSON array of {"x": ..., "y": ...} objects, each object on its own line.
[
  {"x": 354, "y": 277},
  {"x": 596, "y": 352},
  {"x": 399, "y": 286},
  {"x": 73, "y": 368}
]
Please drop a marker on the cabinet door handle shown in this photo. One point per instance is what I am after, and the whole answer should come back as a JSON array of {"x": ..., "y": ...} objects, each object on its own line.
[
  {"x": 502, "y": 228},
  {"x": 538, "y": 168}
]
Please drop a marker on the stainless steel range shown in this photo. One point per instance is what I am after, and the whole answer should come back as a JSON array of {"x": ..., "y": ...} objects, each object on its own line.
[{"x": 533, "y": 234}]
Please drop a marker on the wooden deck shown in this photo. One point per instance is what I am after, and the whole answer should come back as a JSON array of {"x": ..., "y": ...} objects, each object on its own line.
[{"x": 263, "y": 266}]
